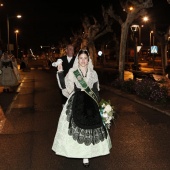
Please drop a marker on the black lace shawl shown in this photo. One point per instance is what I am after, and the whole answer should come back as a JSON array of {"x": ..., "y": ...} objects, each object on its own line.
[{"x": 85, "y": 123}]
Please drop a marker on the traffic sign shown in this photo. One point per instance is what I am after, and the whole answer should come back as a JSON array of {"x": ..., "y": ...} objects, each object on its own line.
[{"x": 154, "y": 49}]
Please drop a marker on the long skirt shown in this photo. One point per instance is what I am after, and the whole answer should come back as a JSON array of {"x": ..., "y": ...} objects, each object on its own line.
[
  {"x": 8, "y": 77},
  {"x": 65, "y": 145}
]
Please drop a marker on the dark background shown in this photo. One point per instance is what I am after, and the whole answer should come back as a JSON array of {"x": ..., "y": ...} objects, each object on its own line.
[{"x": 47, "y": 22}]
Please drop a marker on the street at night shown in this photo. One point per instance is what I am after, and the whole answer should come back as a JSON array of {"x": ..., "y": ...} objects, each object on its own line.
[
  {"x": 140, "y": 135},
  {"x": 112, "y": 61}
]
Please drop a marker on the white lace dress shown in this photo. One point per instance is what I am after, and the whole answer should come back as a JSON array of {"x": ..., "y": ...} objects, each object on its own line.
[
  {"x": 65, "y": 144},
  {"x": 8, "y": 77}
]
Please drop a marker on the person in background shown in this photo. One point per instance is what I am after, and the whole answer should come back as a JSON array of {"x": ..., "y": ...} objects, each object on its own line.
[
  {"x": 15, "y": 67},
  {"x": 8, "y": 78},
  {"x": 81, "y": 132},
  {"x": 23, "y": 64},
  {"x": 67, "y": 63}
]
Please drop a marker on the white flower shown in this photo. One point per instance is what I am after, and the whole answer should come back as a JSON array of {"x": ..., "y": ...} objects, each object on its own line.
[
  {"x": 108, "y": 108},
  {"x": 108, "y": 121},
  {"x": 105, "y": 115},
  {"x": 103, "y": 105},
  {"x": 106, "y": 111}
]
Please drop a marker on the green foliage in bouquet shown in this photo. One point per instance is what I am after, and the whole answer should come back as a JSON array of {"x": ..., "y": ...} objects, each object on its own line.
[{"x": 107, "y": 112}]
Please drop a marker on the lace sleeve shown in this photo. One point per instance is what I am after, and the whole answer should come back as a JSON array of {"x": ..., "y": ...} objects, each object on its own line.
[
  {"x": 69, "y": 81},
  {"x": 60, "y": 79}
]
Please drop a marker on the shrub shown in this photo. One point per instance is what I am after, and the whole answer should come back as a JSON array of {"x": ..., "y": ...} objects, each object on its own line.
[
  {"x": 159, "y": 95},
  {"x": 145, "y": 88},
  {"x": 128, "y": 86}
]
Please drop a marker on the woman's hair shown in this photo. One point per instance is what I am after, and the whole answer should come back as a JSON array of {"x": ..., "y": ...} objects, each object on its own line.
[{"x": 82, "y": 51}]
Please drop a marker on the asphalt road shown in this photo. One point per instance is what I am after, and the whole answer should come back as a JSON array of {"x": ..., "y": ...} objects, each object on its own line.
[{"x": 140, "y": 135}]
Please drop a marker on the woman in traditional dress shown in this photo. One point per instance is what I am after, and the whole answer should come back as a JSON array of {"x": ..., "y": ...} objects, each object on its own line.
[
  {"x": 8, "y": 77},
  {"x": 81, "y": 132},
  {"x": 15, "y": 67}
]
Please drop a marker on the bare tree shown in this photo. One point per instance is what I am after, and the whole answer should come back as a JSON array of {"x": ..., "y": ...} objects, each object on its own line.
[
  {"x": 92, "y": 30},
  {"x": 139, "y": 7}
]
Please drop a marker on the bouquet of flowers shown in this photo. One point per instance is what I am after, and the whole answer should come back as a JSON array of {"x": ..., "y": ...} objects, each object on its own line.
[{"x": 107, "y": 112}]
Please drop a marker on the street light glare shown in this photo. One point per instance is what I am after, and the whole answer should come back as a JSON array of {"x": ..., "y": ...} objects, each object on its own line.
[
  {"x": 19, "y": 16},
  {"x": 145, "y": 18},
  {"x": 131, "y": 8},
  {"x": 16, "y": 31}
]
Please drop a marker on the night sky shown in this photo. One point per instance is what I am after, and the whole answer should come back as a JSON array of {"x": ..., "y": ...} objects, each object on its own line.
[{"x": 47, "y": 22}]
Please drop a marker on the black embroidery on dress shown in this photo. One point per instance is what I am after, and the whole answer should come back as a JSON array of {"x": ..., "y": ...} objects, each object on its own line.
[
  {"x": 84, "y": 136},
  {"x": 61, "y": 79}
]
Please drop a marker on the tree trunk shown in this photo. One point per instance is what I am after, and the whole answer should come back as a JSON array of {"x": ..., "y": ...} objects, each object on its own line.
[
  {"x": 123, "y": 40},
  {"x": 163, "y": 54}
]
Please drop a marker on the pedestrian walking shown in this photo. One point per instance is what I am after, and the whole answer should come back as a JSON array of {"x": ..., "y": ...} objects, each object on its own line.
[
  {"x": 8, "y": 78},
  {"x": 81, "y": 132},
  {"x": 15, "y": 67},
  {"x": 67, "y": 63}
]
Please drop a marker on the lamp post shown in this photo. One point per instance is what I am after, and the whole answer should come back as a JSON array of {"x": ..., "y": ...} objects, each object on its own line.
[
  {"x": 168, "y": 47},
  {"x": 151, "y": 32},
  {"x": 145, "y": 19},
  {"x": 8, "y": 46},
  {"x": 135, "y": 28},
  {"x": 16, "y": 35},
  {"x": 1, "y": 5}
]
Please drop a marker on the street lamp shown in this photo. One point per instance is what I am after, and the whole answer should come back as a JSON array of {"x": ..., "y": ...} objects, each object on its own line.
[
  {"x": 145, "y": 18},
  {"x": 131, "y": 8},
  {"x": 16, "y": 35},
  {"x": 8, "y": 47}
]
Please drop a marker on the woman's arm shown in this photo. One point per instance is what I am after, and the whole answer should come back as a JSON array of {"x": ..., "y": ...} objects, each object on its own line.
[{"x": 70, "y": 81}]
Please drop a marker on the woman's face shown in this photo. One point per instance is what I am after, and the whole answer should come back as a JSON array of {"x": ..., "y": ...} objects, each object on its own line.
[{"x": 83, "y": 60}]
